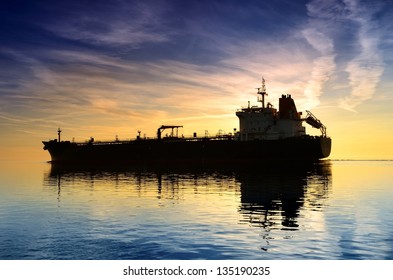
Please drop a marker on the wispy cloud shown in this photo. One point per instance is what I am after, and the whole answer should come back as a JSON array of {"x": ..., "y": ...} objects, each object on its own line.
[
  {"x": 115, "y": 23},
  {"x": 217, "y": 60},
  {"x": 363, "y": 62},
  {"x": 97, "y": 88},
  {"x": 322, "y": 15},
  {"x": 366, "y": 68},
  {"x": 323, "y": 66}
]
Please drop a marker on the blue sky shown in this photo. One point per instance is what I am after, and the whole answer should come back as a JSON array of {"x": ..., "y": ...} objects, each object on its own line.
[{"x": 106, "y": 68}]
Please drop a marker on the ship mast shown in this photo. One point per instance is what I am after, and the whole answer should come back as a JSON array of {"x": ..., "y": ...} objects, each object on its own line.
[
  {"x": 58, "y": 134},
  {"x": 262, "y": 92}
]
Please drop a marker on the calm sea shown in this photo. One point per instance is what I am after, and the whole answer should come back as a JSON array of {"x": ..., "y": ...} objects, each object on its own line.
[{"x": 324, "y": 210}]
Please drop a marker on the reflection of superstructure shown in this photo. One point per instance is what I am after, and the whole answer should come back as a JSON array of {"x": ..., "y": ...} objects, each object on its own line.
[
  {"x": 273, "y": 198},
  {"x": 264, "y": 133}
]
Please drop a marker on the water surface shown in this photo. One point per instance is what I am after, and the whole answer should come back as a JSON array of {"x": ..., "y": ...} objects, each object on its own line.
[{"x": 323, "y": 210}]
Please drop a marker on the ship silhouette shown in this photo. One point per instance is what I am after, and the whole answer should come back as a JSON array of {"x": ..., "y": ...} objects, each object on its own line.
[{"x": 264, "y": 133}]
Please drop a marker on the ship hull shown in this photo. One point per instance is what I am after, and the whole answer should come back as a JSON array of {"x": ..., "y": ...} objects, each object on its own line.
[{"x": 182, "y": 150}]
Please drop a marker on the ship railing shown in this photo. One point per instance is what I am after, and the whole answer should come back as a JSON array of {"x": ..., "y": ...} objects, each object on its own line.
[{"x": 166, "y": 139}]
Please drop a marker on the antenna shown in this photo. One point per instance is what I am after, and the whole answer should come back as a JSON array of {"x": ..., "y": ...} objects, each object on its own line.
[
  {"x": 263, "y": 85},
  {"x": 58, "y": 134},
  {"x": 262, "y": 92}
]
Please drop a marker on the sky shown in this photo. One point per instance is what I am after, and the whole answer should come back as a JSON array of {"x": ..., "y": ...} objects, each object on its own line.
[{"x": 108, "y": 69}]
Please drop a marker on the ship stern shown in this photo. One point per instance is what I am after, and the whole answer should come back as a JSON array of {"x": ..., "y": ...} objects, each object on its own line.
[{"x": 326, "y": 146}]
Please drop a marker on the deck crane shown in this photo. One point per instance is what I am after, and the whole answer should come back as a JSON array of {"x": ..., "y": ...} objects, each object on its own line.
[{"x": 163, "y": 127}]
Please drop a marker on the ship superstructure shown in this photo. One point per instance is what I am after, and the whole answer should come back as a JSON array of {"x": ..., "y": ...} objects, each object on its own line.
[{"x": 266, "y": 123}]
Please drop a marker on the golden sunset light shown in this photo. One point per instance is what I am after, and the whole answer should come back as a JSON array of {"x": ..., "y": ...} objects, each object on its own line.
[{"x": 112, "y": 74}]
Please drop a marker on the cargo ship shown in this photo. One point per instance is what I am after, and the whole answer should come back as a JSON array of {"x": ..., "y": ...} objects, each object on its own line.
[{"x": 264, "y": 133}]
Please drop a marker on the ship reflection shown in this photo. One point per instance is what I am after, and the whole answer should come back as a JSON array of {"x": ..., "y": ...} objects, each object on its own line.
[{"x": 271, "y": 196}]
